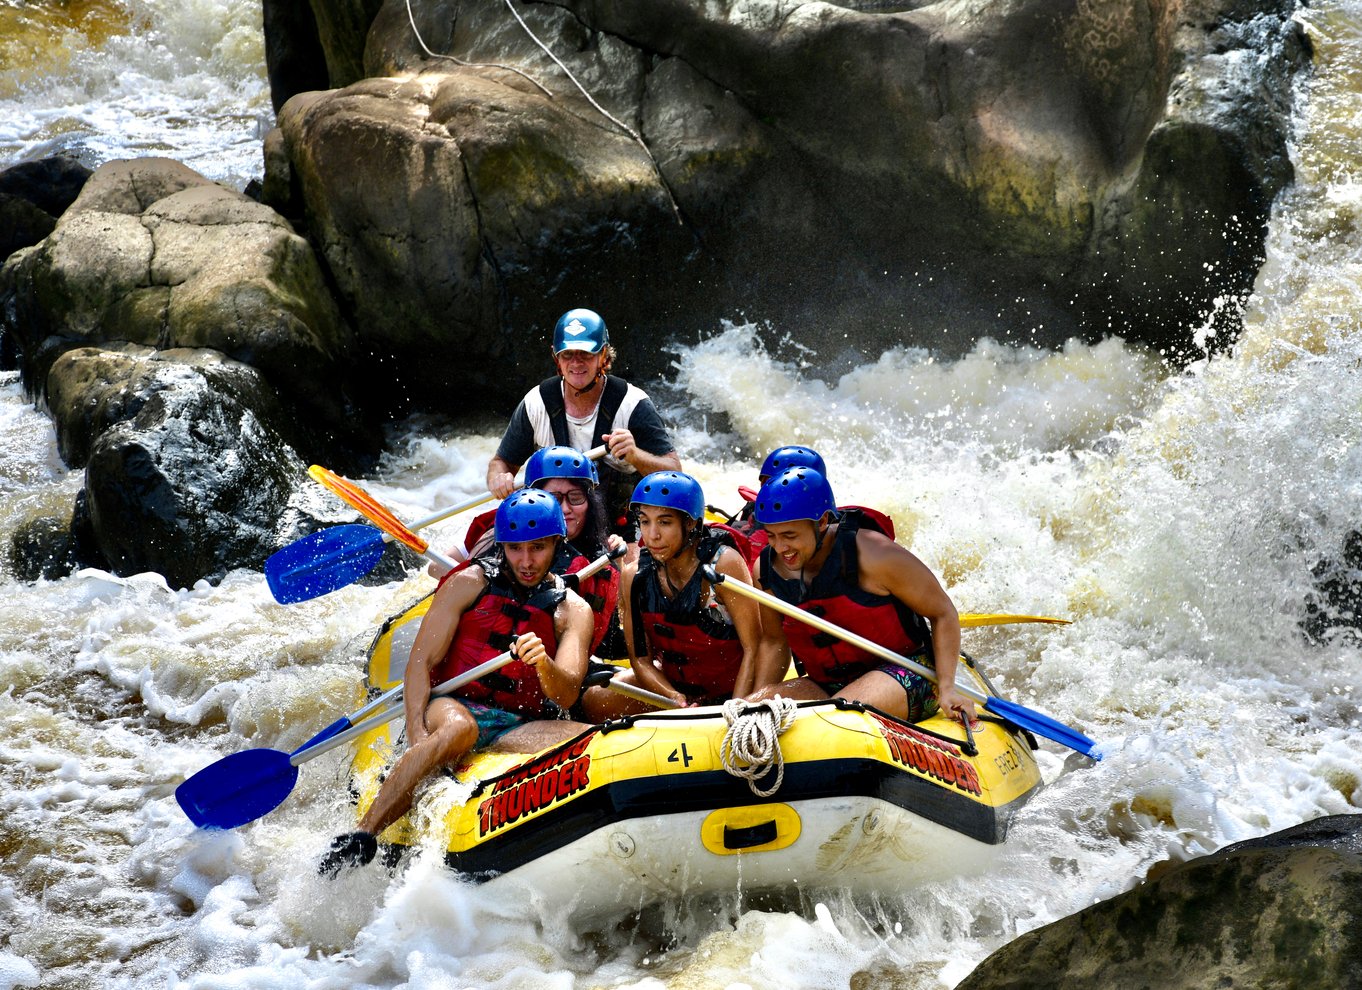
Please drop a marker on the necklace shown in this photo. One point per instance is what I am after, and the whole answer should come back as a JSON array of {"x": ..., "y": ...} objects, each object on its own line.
[{"x": 672, "y": 590}]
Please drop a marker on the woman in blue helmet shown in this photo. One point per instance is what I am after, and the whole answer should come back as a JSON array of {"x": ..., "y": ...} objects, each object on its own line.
[
  {"x": 570, "y": 477},
  {"x": 583, "y": 406},
  {"x": 829, "y": 563},
  {"x": 510, "y": 599},
  {"x": 687, "y": 640}
]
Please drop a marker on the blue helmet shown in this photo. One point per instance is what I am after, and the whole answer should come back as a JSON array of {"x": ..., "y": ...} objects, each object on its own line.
[
  {"x": 560, "y": 462},
  {"x": 791, "y": 455},
  {"x": 671, "y": 490},
  {"x": 580, "y": 330},
  {"x": 795, "y": 493},
  {"x": 529, "y": 514}
]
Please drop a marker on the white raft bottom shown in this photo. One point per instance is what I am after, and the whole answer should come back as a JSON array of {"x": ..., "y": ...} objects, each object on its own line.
[{"x": 858, "y": 845}]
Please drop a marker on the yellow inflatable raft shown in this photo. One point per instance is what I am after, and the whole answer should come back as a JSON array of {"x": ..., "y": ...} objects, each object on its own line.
[{"x": 642, "y": 809}]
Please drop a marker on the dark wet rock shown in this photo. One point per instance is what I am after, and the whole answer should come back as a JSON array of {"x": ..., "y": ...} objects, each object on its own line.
[
  {"x": 153, "y": 253},
  {"x": 21, "y": 224},
  {"x": 44, "y": 547},
  {"x": 50, "y": 184},
  {"x": 875, "y": 174},
  {"x": 1333, "y": 610},
  {"x": 314, "y": 45},
  {"x": 188, "y": 472},
  {"x": 294, "y": 59},
  {"x": 32, "y": 196},
  {"x": 1282, "y": 911}
]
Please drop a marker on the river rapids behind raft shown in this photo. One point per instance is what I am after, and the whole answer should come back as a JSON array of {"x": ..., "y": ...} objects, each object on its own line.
[{"x": 1179, "y": 519}]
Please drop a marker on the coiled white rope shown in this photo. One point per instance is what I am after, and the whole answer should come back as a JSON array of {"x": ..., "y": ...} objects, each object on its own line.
[{"x": 752, "y": 743}]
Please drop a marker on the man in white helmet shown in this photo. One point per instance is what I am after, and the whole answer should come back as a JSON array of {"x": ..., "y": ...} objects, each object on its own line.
[{"x": 583, "y": 407}]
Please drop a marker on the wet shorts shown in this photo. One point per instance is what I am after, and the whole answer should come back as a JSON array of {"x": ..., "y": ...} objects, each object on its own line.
[
  {"x": 493, "y": 723},
  {"x": 922, "y": 701},
  {"x": 921, "y": 698}
]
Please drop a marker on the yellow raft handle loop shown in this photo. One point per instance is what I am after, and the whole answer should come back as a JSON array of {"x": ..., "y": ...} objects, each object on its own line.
[{"x": 751, "y": 746}]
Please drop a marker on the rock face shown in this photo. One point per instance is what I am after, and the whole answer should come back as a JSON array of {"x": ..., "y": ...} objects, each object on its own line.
[
  {"x": 928, "y": 175},
  {"x": 153, "y": 253},
  {"x": 188, "y": 470},
  {"x": 32, "y": 196},
  {"x": 459, "y": 233},
  {"x": 219, "y": 353},
  {"x": 1282, "y": 911}
]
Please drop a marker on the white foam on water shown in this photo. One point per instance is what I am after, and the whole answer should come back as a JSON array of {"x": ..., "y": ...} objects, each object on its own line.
[
  {"x": 186, "y": 80},
  {"x": 1176, "y": 517}
]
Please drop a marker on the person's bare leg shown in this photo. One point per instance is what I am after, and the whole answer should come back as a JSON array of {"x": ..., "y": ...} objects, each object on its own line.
[
  {"x": 534, "y": 736},
  {"x": 453, "y": 733},
  {"x": 879, "y": 690},
  {"x": 799, "y": 689}
]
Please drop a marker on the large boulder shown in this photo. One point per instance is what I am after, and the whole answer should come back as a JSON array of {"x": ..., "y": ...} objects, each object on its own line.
[
  {"x": 32, "y": 196},
  {"x": 1283, "y": 911},
  {"x": 188, "y": 469},
  {"x": 1013, "y": 168},
  {"x": 459, "y": 214},
  {"x": 152, "y": 253}
]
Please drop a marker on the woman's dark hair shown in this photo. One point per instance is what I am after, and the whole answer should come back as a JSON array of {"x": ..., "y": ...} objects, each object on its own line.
[{"x": 597, "y": 525}]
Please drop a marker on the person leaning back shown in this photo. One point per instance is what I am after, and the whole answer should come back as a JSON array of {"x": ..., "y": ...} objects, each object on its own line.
[{"x": 582, "y": 407}]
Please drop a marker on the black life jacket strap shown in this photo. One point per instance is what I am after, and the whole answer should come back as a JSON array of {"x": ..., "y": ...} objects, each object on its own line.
[{"x": 612, "y": 397}]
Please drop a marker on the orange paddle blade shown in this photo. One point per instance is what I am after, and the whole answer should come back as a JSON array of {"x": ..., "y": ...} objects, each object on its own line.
[{"x": 374, "y": 511}]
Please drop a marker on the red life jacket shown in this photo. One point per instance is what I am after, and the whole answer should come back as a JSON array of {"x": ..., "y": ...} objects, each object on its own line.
[
  {"x": 601, "y": 591},
  {"x": 482, "y": 523},
  {"x": 836, "y": 594},
  {"x": 487, "y": 628},
  {"x": 697, "y": 646}
]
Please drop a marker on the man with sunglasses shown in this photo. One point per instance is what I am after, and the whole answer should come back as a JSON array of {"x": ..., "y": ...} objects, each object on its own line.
[{"x": 582, "y": 407}]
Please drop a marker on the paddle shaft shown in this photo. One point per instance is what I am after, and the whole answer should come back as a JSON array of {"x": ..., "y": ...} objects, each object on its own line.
[
  {"x": 846, "y": 635},
  {"x": 300, "y": 756},
  {"x": 595, "y": 453},
  {"x": 641, "y": 694}
]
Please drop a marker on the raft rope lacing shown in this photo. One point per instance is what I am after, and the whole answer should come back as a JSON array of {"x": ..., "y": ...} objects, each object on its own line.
[
  {"x": 751, "y": 745},
  {"x": 638, "y": 138}
]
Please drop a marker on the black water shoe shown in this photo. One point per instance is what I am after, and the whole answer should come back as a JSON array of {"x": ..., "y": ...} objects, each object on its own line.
[{"x": 349, "y": 850}]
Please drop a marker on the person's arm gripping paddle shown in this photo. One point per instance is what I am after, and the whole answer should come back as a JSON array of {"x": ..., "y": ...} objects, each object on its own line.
[{"x": 889, "y": 569}]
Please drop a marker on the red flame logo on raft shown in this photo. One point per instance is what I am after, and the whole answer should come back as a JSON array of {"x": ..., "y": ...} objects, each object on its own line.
[
  {"x": 929, "y": 755},
  {"x": 538, "y": 784}
]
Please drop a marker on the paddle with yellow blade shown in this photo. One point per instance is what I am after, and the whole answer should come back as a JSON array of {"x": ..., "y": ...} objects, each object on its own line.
[
  {"x": 970, "y": 620},
  {"x": 1020, "y": 715},
  {"x": 332, "y": 558}
]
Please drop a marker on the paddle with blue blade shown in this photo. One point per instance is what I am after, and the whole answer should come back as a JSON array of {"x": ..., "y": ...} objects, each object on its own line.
[
  {"x": 330, "y": 559},
  {"x": 321, "y": 563},
  {"x": 244, "y": 786},
  {"x": 1020, "y": 715}
]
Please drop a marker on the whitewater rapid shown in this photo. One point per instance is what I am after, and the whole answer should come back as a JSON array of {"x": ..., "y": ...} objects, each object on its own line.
[{"x": 1176, "y": 517}]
